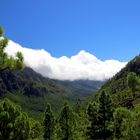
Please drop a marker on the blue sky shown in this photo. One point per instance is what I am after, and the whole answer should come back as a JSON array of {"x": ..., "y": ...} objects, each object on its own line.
[{"x": 109, "y": 29}]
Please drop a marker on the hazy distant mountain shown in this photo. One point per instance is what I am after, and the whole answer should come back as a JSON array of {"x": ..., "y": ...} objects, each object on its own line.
[{"x": 81, "y": 88}]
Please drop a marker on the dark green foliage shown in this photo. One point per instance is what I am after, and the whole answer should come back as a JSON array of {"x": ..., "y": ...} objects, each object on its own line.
[
  {"x": 124, "y": 87},
  {"x": 67, "y": 123},
  {"x": 105, "y": 114},
  {"x": 119, "y": 116},
  {"x": 8, "y": 62},
  {"x": 48, "y": 124},
  {"x": 36, "y": 130},
  {"x": 100, "y": 117},
  {"x": 1, "y": 31},
  {"x": 133, "y": 81},
  {"x": 13, "y": 123},
  {"x": 132, "y": 125},
  {"x": 92, "y": 129},
  {"x": 127, "y": 124}
]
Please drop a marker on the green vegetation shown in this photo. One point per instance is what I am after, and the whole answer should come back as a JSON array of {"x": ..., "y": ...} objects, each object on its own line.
[
  {"x": 124, "y": 89},
  {"x": 49, "y": 124},
  {"x": 67, "y": 123},
  {"x": 124, "y": 86},
  {"x": 133, "y": 81},
  {"x": 15, "y": 124},
  {"x": 120, "y": 115},
  {"x": 8, "y": 62},
  {"x": 100, "y": 116}
]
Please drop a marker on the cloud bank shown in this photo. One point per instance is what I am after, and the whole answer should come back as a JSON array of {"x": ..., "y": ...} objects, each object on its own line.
[{"x": 81, "y": 66}]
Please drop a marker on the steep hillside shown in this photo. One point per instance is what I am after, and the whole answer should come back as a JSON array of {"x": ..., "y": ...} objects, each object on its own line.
[
  {"x": 118, "y": 88},
  {"x": 28, "y": 83}
]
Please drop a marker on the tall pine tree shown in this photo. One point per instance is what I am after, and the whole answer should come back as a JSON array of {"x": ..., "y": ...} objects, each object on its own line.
[
  {"x": 67, "y": 123},
  {"x": 100, "y": 116},
  {"x": 48, "y": 124},
  {"x": 105, "y": 114},
  {"x": 92, "y": 129}
]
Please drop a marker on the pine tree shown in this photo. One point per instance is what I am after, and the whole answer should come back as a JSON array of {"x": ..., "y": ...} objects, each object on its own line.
[
  {"x": 48, "y": 124},
  {"x": 105, "y": 114},
  {"x": 67, "y": 124},
  {"x": 14, "y": 124},
  {"x": 119, "y": 116},
  {"x": 9, "y": 62},
  {"x": 92, "y": 129},
  {"x": 100, "y": 116}
]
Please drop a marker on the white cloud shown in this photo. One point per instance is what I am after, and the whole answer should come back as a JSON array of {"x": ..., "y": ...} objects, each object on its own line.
[{"x": 81, "y": 66}]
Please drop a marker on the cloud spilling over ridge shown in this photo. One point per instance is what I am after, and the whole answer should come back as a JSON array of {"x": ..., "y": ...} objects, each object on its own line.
[{"x": 81, "y": 66}]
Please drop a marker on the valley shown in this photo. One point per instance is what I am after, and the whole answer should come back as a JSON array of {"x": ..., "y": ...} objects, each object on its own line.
[{"x": 32, "y": 91}]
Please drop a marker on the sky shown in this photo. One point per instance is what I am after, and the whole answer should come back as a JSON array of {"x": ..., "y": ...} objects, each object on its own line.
[
  {"x": 73, "y": 39},
  {"x": 108, "y": 29}
]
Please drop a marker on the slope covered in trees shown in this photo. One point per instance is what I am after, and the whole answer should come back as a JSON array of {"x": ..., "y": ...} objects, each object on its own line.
[
  {"x": 124, "y": 93},
  {"x": 120, "y": 88}
]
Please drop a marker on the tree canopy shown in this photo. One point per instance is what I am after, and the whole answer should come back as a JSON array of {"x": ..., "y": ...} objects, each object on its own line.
[
  {"x": 14, "y": 124},
  {"x": 6, "y": 61}
]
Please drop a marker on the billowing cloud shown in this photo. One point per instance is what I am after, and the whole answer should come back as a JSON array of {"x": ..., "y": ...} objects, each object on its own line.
[{"x": 81, "y": 66}]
